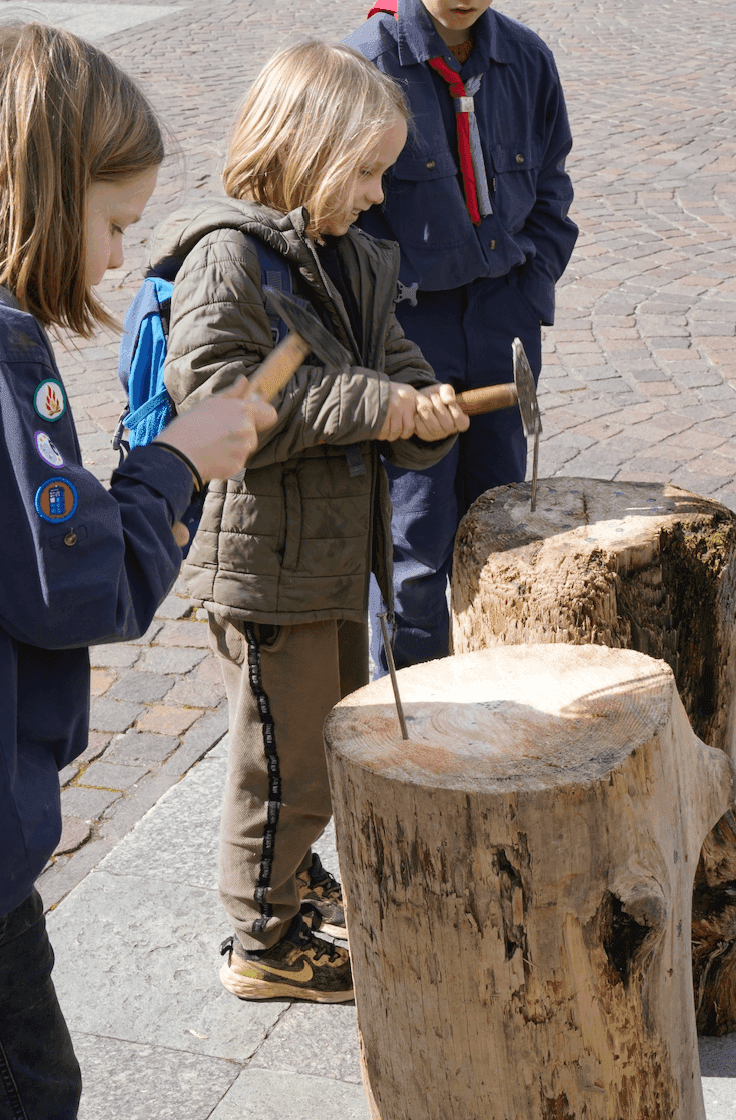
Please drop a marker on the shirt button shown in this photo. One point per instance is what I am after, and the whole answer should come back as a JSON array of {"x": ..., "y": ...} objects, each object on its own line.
[
  {"x": 519, "y": 158},
  {"x": 70, "y": 538},
  {"x": 492, "y": 244},
  {"x": 430, "y": 164}
]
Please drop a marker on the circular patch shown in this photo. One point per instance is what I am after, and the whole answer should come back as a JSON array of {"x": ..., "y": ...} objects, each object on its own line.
[
  {"x": 56, "y": 500},
  {"x": 48, "y": 452},
  {"x": 49, "y": 400}
]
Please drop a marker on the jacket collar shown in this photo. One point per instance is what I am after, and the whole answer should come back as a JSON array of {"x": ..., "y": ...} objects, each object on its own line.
[{"x": 418, "y": 39}]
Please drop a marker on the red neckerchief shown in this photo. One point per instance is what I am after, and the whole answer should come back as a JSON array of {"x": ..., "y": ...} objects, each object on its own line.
[{"x": 457, "y": 90}]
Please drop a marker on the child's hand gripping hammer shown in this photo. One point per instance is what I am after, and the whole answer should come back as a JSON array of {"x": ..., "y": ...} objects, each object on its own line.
[
  {"x": 306, "y": 334},
  {"x": 523, "y": 392}
]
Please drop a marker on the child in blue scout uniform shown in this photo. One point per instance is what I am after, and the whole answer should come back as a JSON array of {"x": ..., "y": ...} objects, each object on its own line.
[
  {"x": 478, "y": 203},
  {"x": 79, "y": 156}
]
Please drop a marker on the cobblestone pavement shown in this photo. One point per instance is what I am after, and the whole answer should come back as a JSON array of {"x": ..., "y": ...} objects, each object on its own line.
[{"x": 639, "y": 380}]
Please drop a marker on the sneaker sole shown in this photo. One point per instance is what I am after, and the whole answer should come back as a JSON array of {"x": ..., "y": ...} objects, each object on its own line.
[{"x": 249, "y": 987}]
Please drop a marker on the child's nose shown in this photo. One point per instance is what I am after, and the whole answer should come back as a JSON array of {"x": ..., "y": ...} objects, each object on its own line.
[
  {"x": 375, "y": 192},
  {"x": 116, "y": 256}
]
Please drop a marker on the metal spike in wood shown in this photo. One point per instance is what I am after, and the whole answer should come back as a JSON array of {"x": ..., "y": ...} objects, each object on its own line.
[{"x": 388, "y": 648}]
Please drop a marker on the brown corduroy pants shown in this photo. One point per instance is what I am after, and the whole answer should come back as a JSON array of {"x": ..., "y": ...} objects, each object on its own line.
[{"x": 281, "y": 683}]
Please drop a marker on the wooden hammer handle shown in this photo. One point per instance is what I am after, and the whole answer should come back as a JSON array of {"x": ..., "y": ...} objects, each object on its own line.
[
  {"x": 490, "y": 398},
  {"x": 275, "y": 372}
]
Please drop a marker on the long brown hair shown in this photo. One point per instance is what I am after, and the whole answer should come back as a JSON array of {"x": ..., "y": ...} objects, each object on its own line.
[
  {"x": 68, "y": 117},
  {"x": 314, "y": 114}
]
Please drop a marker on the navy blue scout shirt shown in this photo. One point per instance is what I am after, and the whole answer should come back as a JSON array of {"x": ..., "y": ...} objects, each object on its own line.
[
  {"x": 78, "y": 565},
  {"x": 525, "y": 136}
]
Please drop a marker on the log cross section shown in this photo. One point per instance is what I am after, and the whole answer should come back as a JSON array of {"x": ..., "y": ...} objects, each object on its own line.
[{"x": 518, "y": 878}]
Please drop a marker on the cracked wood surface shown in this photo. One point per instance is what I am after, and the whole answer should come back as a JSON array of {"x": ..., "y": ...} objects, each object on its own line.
[{"x": 642, "y": 566}]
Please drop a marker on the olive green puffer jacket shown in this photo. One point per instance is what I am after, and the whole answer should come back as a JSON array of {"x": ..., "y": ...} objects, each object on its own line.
[{"x": 292, "y": 538}]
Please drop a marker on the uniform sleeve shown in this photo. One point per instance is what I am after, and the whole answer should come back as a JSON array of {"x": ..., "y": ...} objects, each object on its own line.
[
  {"x": 219, "y": 330},
  {"x": 80, "y": 564},
  {"x": 548, "y": 226}
]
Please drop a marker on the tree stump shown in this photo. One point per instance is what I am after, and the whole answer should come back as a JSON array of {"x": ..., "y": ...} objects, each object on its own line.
[
  {"x": 518, "y": 879},
  {"x": 635, "y": 566}
]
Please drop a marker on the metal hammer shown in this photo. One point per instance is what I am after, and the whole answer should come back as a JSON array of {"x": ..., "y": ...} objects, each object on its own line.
[
  {"x": 306, "y": 336},
  {"x": 523, "y": 391}
]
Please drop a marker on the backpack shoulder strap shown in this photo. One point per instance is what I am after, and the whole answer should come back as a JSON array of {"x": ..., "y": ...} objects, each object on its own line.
[
  {"x": 275, "y": 273},
  {"x": 152, "y": 298}
]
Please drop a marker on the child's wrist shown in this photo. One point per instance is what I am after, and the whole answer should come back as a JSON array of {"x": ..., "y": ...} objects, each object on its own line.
[{"x": 197, "y": 477}]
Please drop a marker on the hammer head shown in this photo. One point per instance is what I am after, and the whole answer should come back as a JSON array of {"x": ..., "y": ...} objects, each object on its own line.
[
  {"x": 526, "y": 391},
  {"x": 307, "y": 326}
]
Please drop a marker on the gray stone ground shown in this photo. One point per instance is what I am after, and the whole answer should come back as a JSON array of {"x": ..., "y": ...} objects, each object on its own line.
[{"x": 639, "y": 383}]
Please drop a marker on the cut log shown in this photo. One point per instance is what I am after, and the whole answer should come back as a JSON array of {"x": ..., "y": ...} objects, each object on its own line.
[
  {"x": 518, "y": 878},
  {"x": 639, "y": 566}
]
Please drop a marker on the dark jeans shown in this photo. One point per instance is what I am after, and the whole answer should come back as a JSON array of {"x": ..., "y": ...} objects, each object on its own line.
[{"x": 39, "y": 1074}]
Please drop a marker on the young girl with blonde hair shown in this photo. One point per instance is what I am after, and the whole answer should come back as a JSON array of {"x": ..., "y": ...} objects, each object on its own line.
[
  {"x": 285, "y": 549},
  {"x": 79, "y": 151}
]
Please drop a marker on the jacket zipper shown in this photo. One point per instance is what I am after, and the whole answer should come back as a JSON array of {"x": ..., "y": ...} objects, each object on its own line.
[{"x": 335, "y": 299}]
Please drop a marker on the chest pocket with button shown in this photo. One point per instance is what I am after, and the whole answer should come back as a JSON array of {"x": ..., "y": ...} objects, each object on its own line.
[
  {"x": 515, "y": 170},
  {"x": 425, "y": 203}
]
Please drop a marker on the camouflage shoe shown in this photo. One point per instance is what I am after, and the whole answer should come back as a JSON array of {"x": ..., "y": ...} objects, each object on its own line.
[
  {"x": 317, "y": 886},
  {"x": 299, "y": 966}
]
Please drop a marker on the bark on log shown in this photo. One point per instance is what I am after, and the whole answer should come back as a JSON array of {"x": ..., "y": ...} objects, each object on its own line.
[
  {"x": 518, "y": 877},
  {"x": 638, "y": 566}
]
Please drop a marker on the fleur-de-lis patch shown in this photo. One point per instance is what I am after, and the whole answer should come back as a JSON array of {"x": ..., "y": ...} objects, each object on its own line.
[{"x": 49, "y": 400}]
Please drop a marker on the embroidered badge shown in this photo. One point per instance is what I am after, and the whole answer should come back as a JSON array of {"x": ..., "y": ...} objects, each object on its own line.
[
  {"x": 56, "y": 500},
  {"x": 49, "y": 400},
  {"x": 48, "y": 452}
]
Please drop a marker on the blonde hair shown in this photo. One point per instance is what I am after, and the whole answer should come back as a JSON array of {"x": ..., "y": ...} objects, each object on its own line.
[
  {"x": 314, "y": 114},
  {"x": 69, "y": 117}
]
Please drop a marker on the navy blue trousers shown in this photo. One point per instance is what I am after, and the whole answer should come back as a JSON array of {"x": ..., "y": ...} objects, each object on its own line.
[
  {"x": 39, "y": 1074},
  {"x": 466, "y": 335}
]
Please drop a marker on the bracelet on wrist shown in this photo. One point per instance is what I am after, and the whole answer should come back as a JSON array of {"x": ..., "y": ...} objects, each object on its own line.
[{"x": 186, "y": 460}]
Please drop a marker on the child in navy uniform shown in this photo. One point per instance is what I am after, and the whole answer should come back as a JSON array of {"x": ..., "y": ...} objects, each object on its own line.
[
  {"x": 78, "y": 161},
  {"x": 478, "y": 203}
]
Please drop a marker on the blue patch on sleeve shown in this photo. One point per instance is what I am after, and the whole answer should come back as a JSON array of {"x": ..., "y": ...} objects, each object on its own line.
[{"x": 56, "y": 500}]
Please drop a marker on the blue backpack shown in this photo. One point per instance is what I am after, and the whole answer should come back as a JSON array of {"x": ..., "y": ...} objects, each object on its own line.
[{"x": 143, "y": 353}]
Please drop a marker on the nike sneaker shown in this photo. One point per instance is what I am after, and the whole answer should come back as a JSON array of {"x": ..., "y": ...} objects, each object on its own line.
[
  {"x": 299, "y": 966},
  {"x": 316, "y": 885}
]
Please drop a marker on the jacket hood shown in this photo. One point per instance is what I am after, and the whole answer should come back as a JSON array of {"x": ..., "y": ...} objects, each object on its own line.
[{"x": 177, "y": 235}]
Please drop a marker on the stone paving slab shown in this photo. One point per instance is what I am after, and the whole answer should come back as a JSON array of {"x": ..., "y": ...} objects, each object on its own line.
[
  {"x": 139, "y": 1082},
  {"x": 147, "y": 924},
  {"x": 150, "y": 968},
  {"x": 273, "y": 1095},
  {"x": 97, "y": 21},
  {"x": 160, "y": 848}
]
